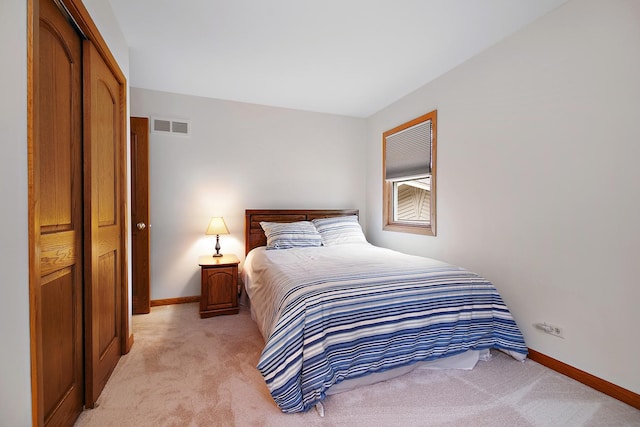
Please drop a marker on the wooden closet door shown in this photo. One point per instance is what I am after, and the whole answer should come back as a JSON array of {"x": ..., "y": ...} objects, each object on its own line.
[
  {"x": 104, "y": 222},
  {"x": 58, "y": 223}
]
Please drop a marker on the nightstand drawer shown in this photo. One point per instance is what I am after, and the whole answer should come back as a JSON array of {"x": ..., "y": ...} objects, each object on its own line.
[{"x": 219, "y": 288}]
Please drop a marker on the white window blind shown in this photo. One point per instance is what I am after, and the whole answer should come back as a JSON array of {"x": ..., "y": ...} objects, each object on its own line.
[{"x": 408, "y": 153}]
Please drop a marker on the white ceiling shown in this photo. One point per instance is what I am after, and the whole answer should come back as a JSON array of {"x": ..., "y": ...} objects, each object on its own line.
[{"x": 348, "y": 57}]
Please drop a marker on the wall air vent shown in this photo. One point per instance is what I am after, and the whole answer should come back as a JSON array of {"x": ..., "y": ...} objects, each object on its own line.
[{"x": 171, "y": 126}]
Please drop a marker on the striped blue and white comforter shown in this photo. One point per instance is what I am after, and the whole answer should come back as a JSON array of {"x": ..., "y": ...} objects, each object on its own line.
[{"x": 330, "y": 314}]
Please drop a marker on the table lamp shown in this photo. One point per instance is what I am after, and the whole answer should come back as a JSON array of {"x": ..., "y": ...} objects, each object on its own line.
[{"x": 217, "y": 227}]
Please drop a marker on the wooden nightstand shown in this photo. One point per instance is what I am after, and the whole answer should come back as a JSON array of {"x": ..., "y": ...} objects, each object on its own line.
[{"x": 219, "y": 285}]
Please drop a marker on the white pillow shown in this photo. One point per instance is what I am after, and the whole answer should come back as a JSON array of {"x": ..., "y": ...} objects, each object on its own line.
[
  {"x": 339, "y": 230},
  {"x": 284, "y": 235}
]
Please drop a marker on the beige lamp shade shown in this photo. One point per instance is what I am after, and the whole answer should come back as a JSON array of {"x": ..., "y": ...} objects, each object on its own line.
[{"x": 217, "y": 226}]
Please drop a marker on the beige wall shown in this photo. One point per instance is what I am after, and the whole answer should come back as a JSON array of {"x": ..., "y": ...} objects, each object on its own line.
[
  {"x": 538, "y": 183},
  {"x": 15, "y": 388},
  {"x": 239, "y": 156}
]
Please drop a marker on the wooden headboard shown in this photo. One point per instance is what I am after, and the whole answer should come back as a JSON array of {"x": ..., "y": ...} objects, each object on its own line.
[{"x": 254, "y": 235}]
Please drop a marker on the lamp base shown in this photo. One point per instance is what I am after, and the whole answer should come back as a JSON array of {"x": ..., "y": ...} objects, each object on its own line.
[{"x": 217, "y": 254}]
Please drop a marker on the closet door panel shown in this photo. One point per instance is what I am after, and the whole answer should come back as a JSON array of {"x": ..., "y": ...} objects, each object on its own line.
[
  {"x": 57, "y": 165},
  {"x": 104, "y": 176}
]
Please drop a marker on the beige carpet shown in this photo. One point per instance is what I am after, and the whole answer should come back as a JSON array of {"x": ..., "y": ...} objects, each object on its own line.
[{"x": 187, "y": 371}]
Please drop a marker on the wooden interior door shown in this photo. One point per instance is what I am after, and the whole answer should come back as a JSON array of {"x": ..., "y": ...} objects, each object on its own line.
[
  {"x": 140, "y": 214},
  {"x": 105, "y": 230},
  {"x": 57, "y": 223}
]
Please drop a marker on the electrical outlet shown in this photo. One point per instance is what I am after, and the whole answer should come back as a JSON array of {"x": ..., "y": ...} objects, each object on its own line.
[
  {"x": 550, "y": 329},
  {"x": 556, "y": 330}
]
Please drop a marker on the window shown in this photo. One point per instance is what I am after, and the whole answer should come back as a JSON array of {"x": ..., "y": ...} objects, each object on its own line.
[{"x": 409, "y": 173}]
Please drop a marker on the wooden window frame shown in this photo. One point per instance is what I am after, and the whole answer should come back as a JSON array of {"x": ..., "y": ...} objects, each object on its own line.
[{"x": 389, "y": 223}]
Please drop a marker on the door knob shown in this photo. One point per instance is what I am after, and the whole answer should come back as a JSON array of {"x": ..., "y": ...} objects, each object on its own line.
[{"x": 141, "y": 225}]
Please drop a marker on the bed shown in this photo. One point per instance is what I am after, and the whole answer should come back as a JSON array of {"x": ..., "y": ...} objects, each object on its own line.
[{"x": 337, "y": 312}]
